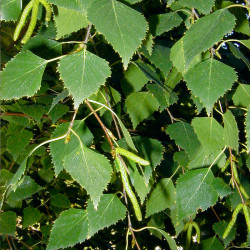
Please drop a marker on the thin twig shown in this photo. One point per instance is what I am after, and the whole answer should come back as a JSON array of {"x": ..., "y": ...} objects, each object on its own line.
[
  {"x": 8, "y": 242},
  {"x": 101, "y": 123},
  {"x": 217, "y": 216},
  {"x": 114, "y": 119}
]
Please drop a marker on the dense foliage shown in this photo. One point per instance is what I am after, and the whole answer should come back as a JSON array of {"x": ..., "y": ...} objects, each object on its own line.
[{"x": 125, "y": 124}]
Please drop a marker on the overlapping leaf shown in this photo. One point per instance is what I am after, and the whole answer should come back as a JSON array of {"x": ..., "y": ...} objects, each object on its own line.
[
  {"x": 69, "y": 229},
  {"x": 68, "y": 21},
  {"x": 10, "y": 10},
  {"x": 59, "y": 149},
  {"x": 163, "y": 196},
  {"x": 242, "y": 95},
  {"x": 184, "y": 135},
  {"x": 8, "y": 223},
  {"x": 195, "y": 191},
  {"x": 231, "y": 131},
  {"x": 90, "y": 169},
  {"x": 210, "y": 133},
  {"x": 140, "y": 106},
  {"x": 110, "y": 211},
  {"x": 209, "y": 80},
  {"x": 203, "y": 6},
  {"x": 164, "y": 22},
  {"x": 201, "y": 36},
  {"x": 83, "y": 73},
  {"x": 22, "y": 76},
  {"x": 128, "y": 26}
]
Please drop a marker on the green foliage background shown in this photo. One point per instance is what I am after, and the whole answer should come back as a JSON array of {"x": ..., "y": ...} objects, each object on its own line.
[{"x": 166, "y": 80}]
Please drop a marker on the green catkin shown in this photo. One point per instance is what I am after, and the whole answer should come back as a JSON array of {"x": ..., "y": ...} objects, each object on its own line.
[
  {"x": 243, "y": 191},
  {"x": 131, "y": 156},
  {"x": 233, "y": 220},
  {"x": 128, "y": 189},
  {"x": 189, "y": 235},
  {"x": 47, "y": 8},
  {"x": 22, "y": 20},
  {"x": 32, "y": 22},
  {"x": 198, "y": 232},
  {"x": 223, "y": 169},
  {"x": 235, "y": 173},
  {"x": 247, "y": 216}
]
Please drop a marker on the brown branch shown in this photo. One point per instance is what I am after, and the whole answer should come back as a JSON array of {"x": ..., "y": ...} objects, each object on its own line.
[
  {"x": 217, "y": 216},
  {"x": 24, "y": 115},
  {"x": 235, "y": 182},
  {"x": 101, "y": 123}
]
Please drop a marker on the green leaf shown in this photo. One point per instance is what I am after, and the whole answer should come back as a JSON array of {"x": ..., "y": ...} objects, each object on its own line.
[
  {"x": 164, "y": 22},
  {"x": 110, "y": 211},
  {"x": 181, "y": 157},
  {"x": 140, "y": 106},
  {"x": 210, "y": 133},
  {"x": 31, "y": 215},
  {"x": 221, "y": 187},
  {"x": 43, "y": 47},
  {"x": 231, "y": 131},
  {"x": 242, "y": 95},
  {"x": 34, "y": 111},
  {"x": 163, "y": 196},
  {"x": 5, "y": 177},
  {"x": 19, "y": 173},
  {"x": 140, "y": 184},
  {"x": 199, "y": 105},
  {"x": 211, "y": 244},
  {"x": 70, "y": 228},
  {"x": 161, "y": 56},
  {"x": 169, "y": 239},
  {"x": 209, "y": 80},
  {"x": 151, "y": 150},
  {"x": 133, "y": 1},
  {"x": 83, "y": 73},
  {"x": 204, "y": 159},
  {"x": 10, "y": 10},
  {"x": 134, "y": 79},
  {"x": 220, "y": 228},
  {"x": 8, "y": 223},
  {"x": 58, "y": 111},
  {"x": 68, "y": 21},
  {"x": 76, "y": 5},
  {"x": 17, "y": 143},
  {"x": 195, "y": 191},
  {"x": 204, "y": 6},
  {"x": 58, "y": 98},
  {"x": 248, "y": 129},
  {"x": 22, "y": 76},
  {"x": 90, "y": 169},
  {"x": 59, "y": 149},
  {"x": 184, "y": 136},
  {"x": 238, "y": 54},
  {"x": 26, "y": 188},
  {"x": 60, "y": 200},
  {"x": 204, "y": 33},
  {"x": 178, "y": 224},
  {"x": 129, "y": 27}
]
